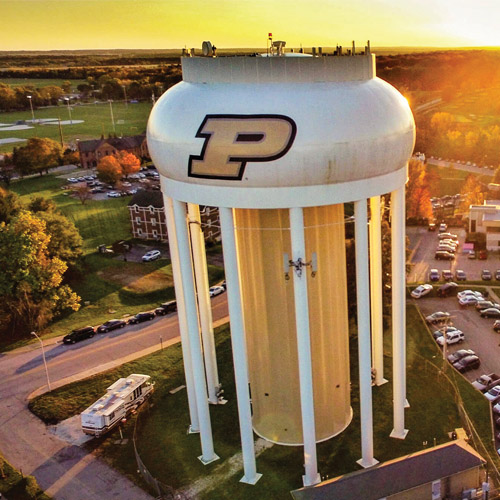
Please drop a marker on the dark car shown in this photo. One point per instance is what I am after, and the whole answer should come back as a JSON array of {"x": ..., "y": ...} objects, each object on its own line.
[
  {"x": 497, "y": 274},
  {"x": 140, "y": 317},
  {"x": 434, "y": 275},
  {"x": 467, "y": 363},
  {"x": 461, "y": 353},
  {"x": 483, "y": 254},
  {"x": 460, "y": 275},
  {"x": 112, "y": 324},
  {"x": 447, "y": 275},
  {"x": 491, "y": 312},
  {"x": 86, "y": 332},
  {"x": 486, "y": 275},
  {"x": 443, "y": 255},
  {"x": 447, "y": 289},
  {"x": 166, "y": 308}
]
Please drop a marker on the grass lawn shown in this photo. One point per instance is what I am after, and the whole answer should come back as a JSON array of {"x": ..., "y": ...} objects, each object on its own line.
[
  {"x": 129, "y": 119},
  {"x": 170, "y": 453},
  {"x": 16, "y": 486}
]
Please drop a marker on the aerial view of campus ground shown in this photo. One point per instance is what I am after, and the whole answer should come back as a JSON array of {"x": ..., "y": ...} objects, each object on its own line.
[{"x": 457, "y": 124}]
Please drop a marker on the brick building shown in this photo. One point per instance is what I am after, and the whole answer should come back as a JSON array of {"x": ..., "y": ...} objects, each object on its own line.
[
  {"x": 92, "y": 151},
  {"x": 147, "y": 217}
]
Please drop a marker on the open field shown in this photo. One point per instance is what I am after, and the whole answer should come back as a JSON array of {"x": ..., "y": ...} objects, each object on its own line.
[
  {"x": 129, "y": 119},
  {"x": 170, "y": 453}
]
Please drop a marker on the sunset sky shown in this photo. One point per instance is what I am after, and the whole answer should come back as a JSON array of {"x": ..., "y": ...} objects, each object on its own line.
[{"x": 88, "y": 24}]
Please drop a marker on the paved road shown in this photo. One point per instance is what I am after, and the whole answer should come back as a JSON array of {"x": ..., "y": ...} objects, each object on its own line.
[
  {"x": 66, "y": 471},
  {"x": 461, "y": 166}
]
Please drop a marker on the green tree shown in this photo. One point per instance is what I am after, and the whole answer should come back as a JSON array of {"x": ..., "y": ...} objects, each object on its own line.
[
  {"x": 65, "y": 240},
  {"x": 9, "y": 205},
  {"x": 41, "y": 204},
  {"x": 37, "y": 156},
  {"x": 31, "y": 289}
]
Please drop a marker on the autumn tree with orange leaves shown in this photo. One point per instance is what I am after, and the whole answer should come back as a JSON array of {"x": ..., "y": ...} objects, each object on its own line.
[
  {"x": 109, "y": 170},
  {"x": 418, "y": 195},
  {"x": 129, "y": 163}
]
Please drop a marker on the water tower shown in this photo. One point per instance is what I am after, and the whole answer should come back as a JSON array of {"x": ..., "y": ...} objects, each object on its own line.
[{"x": 279, "y": 144}]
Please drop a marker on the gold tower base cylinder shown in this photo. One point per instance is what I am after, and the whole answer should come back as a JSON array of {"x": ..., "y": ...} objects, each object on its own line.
[{"x": 263, "y": 238}]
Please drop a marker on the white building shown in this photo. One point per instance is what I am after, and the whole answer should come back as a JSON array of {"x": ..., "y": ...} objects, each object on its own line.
[{"x": 486, "y": 219}]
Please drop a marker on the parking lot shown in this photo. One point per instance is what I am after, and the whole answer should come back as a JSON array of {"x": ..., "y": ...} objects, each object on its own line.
[
  {"x": 479, "y": 333},
  {"x": 423, "y": 246}
]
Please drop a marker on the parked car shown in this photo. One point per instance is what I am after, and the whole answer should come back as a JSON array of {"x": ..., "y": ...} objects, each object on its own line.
[
  {"x": 455, "y": 337},
  {"x": 113, "y": 194},
  {"x": 438, "y": 317},
  {"x": 434, "y": 275},
  {"x": 112, "y": 324},
  {"x": 447, "y": 289},
  {"x": 467, "y": 363},
  {"x": 141, "y": 317},
  {"x": 446, "y": 248},
  {"x": 442, "y": 227},
  {"x": 496, "y": 409},
  {"x": 166, "y": 308},
  {"x": 491, "y": 312},
  {"x": 461, "y": 353},
  {"x": 216, "y": 290},
  {"x": 460, "y": 275},
  {"x": 431, "y": 226},
  {"x": 485, "y": 304},
  {"x": 468, "y": 300},
  {"x": 442, "y": 331},
  {"x": 446, "y": 236},
  {"x": 223, "y": 285},
  {"x": 463, "y": 293},
  {"x": 472, "y": 255},
  {"x": 483, "y": 254},
  {"x": 447, "y": 275},
  {"x": 443, "y": 255},
  {"x": 497, "y": 274},
  {"x": 486, "y": 381},
  {"x": 86, "y": 332},
  {"x": 151, "y": 255},
  {"x": 421, "y": 291},
  {"x": 493, "y": 394},
  {"x": 486, "y": 275},
  {"x": 496, "y": 326}
]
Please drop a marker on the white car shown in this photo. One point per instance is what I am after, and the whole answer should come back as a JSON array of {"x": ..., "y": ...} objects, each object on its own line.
[
  {"x": 216, "y": 290},
  {"x": 479, "y": 295},
  {"x": 421, "y": 290},
  {"x": 151, "y": 255},
  {"x": 113, "y": 194},
  {"x": 493, "y": 394},
  {"x": 454, "y": 337},
  {"x": 468, "y": 300}
]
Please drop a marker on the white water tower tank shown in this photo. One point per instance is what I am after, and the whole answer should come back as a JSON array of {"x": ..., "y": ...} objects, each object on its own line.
[{"x": 262, "y": 135}]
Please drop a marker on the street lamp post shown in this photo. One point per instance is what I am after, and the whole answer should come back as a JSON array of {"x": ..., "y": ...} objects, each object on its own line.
[
  {"x": 125, "y": 94},
  {"x": 44, "y": 361},
  {"x": 31, "y": 106},
  {"x": 112, "y": 117},
  {"x": 69, "y": 110}
]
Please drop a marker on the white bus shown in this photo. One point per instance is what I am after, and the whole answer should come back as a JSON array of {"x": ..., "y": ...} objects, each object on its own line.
[{"x": 124, "y": 396}]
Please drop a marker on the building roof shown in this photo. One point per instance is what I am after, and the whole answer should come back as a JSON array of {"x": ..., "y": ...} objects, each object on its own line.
[
  {"x": 120, "y": 143},
  {"x": 397, "y": 475},
  {"x": 147, "y": 199}
]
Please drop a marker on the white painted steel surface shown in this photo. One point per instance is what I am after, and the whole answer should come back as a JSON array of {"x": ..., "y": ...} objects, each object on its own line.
[
  {"x": 360, "y": 130},
  {"x": 398, "y": 311},
  {"x": 207, "y": 448},
  {"x": 376, "y": 290},
  {"x": 298, "y": 243},
  {"x": 181, "y": 314},
  {"x": 251, "y": 476},
  {"x": 363, "y": 310},
  {"x": 204, "y": 306}
]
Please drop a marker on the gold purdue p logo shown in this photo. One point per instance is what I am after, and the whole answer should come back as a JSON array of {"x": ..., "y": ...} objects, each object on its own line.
[{"x": 233, "y": 140}]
